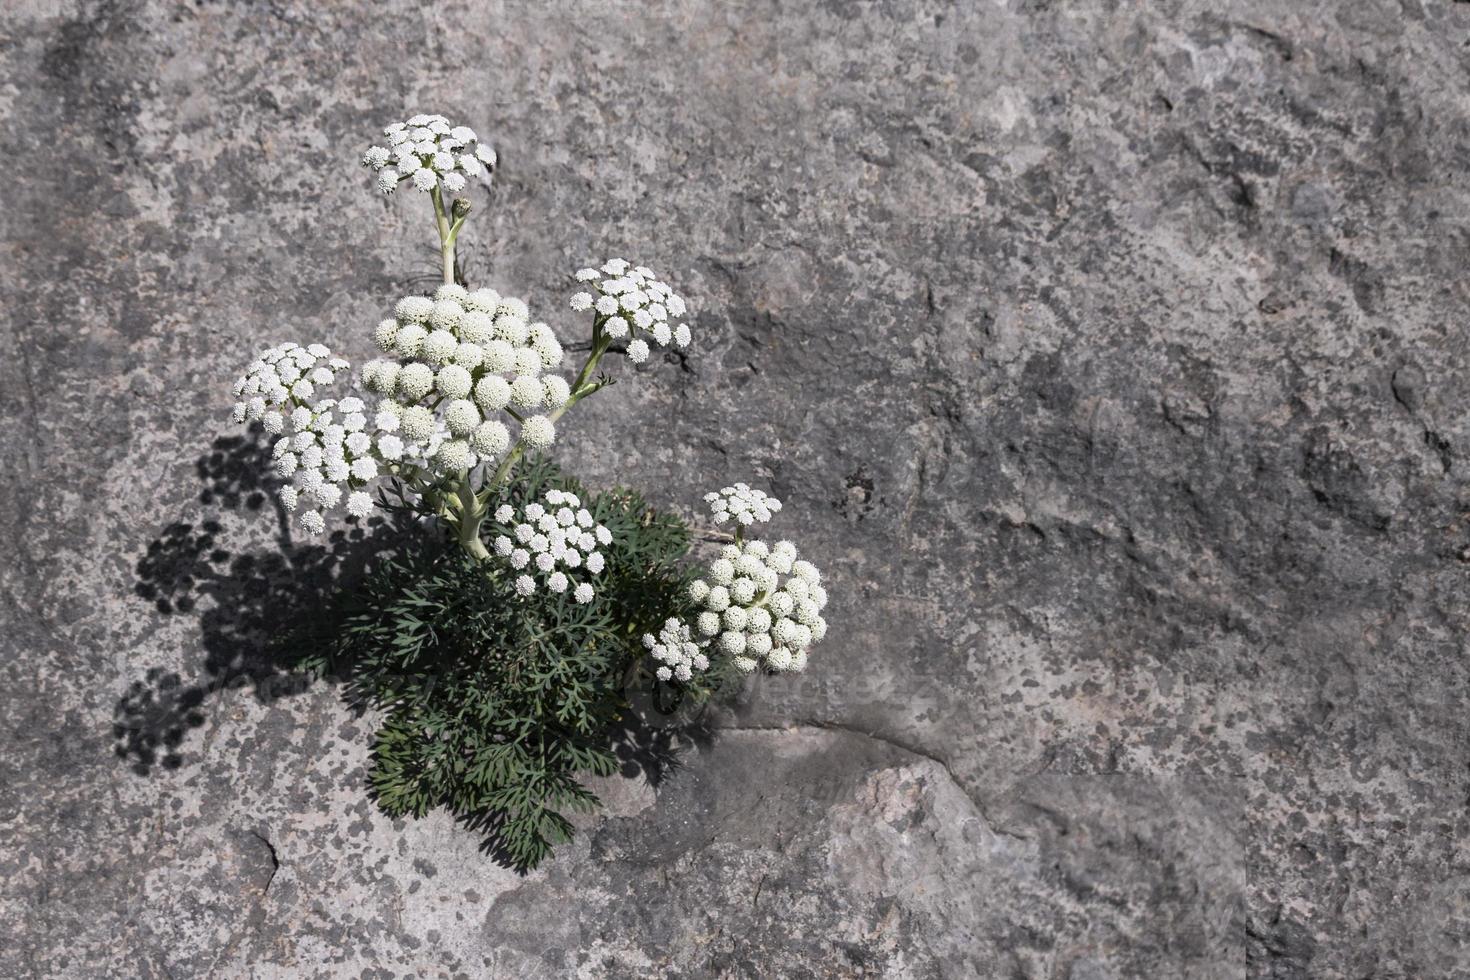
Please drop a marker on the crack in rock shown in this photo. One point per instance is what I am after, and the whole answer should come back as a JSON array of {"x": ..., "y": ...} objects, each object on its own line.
[
  {"x": 275, "y": 861},
  {"x": 256, "y": 917},
  {"x": 813, "y": 725}
]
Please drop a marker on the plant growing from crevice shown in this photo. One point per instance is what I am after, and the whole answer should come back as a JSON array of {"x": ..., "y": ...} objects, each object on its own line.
[{"x": 501, "y": 648}]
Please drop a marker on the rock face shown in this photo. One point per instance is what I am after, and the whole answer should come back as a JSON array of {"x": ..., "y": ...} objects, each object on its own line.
[{"x": 1109, "y": 359}]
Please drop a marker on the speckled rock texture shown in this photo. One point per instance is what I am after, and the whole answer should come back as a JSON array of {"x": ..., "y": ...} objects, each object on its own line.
[{"x": 1110, "y": 359}]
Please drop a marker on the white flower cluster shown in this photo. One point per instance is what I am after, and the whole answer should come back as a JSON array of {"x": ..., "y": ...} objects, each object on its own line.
[
  {"x": 429, "y": 152},
  {"x": 461, "y": 358},
  {"x": 553, "y": 540},
  {"x": 327, "y": 455},
  {"x": 762, "y": 606},
  {"x": 281, "y": 379},
  {"x": 631, "y": 300},
  {"x": 677, "y": 655},
  {"x": 743, "y": 504},
  {"x": 329, "y": 458}
]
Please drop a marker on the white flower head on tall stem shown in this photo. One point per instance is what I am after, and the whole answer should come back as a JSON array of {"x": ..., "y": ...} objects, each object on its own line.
[
  {"x": 631, "y": 301},
  {"x": 429, "y": 152},
  {"x": 760, "y": 606},
  {"x": 742, "y": 504}
]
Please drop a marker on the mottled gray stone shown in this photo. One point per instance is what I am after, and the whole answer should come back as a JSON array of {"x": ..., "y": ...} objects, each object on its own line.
[{"x": 1109, "y": 358}]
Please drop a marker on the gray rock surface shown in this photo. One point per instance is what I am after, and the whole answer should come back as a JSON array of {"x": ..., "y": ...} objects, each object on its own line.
[{"x": 1109, "y": 358}]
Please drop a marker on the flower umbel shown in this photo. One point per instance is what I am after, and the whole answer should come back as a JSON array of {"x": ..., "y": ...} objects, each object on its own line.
[
  {"x": 456, "y": 363},
  {"x": 741, "y": 504},
  {"x": 551, "y": 544},
  {"x": 281, "y": 379},
  {"x": 631, "y": 301},
  {"x": 677, "y": 656},
  {"x": 760, "y": 606},
  {"x": 429, "y": 152}
]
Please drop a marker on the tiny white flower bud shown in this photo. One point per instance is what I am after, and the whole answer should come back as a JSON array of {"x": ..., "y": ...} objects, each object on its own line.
[
  {"x": 538, "y": 431},
  {"x": 453, "y": 381},
  {"x": 414, "y": 309},
  {"x": 461, "y": 417},
  {"x": 491, "y": 438}
]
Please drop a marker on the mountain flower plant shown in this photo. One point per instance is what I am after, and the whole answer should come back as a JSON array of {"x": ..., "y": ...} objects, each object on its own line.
[{"x": 504, "y": 636}]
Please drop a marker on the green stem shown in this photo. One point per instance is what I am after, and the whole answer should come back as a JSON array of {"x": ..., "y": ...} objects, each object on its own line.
[
  {"x": 471, "y": 516},
  {"x": 461, "y": 507},
  {"x": 580, "y": 387},
  {"x": 502, "y": 471},
  {"x": 448, "y": 232}
]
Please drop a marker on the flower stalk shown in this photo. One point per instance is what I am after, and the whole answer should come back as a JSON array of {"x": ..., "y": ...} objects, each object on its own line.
[
  {"x": 448, "y": 222},
  {"x": 471, "y": 515}
]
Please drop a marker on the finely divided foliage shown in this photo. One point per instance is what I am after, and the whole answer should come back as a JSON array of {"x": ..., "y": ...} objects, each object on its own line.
[
  {"x": 503, "y": 638},
  {"x": 494, "y": 704}
]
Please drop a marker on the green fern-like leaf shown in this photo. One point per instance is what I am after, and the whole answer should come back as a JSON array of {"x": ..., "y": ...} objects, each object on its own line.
[{"x": 495, "y": 706}]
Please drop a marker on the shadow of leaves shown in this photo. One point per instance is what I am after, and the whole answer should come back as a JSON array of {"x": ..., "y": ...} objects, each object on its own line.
[{"x": 247, "y": 604}]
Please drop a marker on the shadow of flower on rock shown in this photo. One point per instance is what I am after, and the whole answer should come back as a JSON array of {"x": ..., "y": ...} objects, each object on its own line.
[{"x": 246, "y": 603}]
